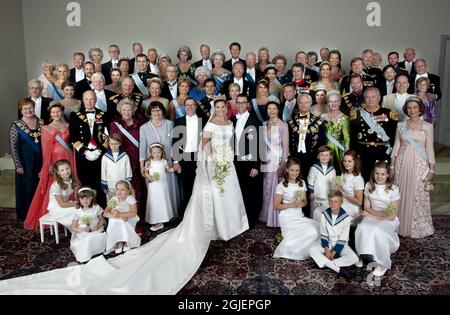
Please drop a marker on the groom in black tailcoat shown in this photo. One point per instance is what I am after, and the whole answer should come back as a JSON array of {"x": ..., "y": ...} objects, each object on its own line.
[
  {"x": 186, "y": 140},
  {"x": 247, "y": 160}
]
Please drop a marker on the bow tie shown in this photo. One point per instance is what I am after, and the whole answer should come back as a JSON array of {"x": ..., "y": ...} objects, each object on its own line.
[
  {"x": 90, "y": 112},
  {"x": 210, "y": 99},
  {"x": 239, "y": 116},
  {"x": 172, "y": 84}
]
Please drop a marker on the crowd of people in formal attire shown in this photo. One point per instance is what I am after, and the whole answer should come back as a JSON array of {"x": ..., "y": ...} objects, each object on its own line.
[{"x": 342, "y": 163}]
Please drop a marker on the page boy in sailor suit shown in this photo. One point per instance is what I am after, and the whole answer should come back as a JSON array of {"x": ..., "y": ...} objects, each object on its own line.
[
  {"x": 334, "y": 252},
  {"x": 116, "y": 166},
  {"x": 320, "y": 181}
]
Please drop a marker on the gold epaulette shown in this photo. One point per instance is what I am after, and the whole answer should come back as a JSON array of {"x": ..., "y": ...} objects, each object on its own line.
[
  {"x": 393, "y": 115},
  {"x": 353, "y": 114}
]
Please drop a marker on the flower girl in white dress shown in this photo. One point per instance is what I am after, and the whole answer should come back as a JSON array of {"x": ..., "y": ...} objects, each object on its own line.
[
  {"x": 159, "y": 208},
  {"x": 122, "y": 214},
  {"x": 376, "y": 235},
  {"x": 299, "y": 233},
  {"x": 88, "y": 238},
  {"x": 60, "y": 206},
  {"x": 352, "y": 184}
]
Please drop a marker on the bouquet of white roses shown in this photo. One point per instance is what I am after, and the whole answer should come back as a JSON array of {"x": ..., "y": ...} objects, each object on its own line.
[
  {"x": 222, "y": 160},
  {"x": 112, "y": 203},
  {"x": 85, "y": 221},
  {"x": 391, "y": 209},
  {"x": 338, "y": 182},
  {"x": 156, "y": 176},
  {"x": 299, "y": 195}
]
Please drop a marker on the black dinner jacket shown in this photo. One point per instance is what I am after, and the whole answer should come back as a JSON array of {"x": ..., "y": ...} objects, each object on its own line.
[
  {"x": 249, "y": 142},
  {"x": 200, "y": 63},
  {"x": 106, "y": 71},
  {"x": 229, "y": 64},
  {"x": 72, "y": 75},
  {"x": 249, "y": 88},
  {"x": 401, "y": 64},
  {"x": 435, "y": 85},
  {"x": 165, "y": 91},
  {"x": 81, "y": 87}
]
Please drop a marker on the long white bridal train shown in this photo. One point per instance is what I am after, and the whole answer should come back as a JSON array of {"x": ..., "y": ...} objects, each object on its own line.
[{"x": 162, "y": 266}]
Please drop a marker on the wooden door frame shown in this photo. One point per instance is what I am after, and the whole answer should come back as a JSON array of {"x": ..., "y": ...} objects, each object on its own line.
[{"x": 445, "y": 83}]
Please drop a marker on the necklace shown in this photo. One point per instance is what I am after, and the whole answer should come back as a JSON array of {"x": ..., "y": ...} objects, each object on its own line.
[{"x": 22, "y": 124}]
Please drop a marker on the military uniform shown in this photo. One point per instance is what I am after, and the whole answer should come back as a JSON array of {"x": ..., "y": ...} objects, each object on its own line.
[
  {"x": 82, "y": 140},
  {"x": 144, "y": 76},
  {"x": 135, "y": 97},
  {"x": 367, "y": 142},
  {"x": 368, "y": 81},
  {"x": 351, "y": 101}
]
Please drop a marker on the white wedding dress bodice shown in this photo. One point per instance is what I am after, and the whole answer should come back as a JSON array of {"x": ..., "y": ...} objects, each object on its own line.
[{"x": 167, "y": 263}]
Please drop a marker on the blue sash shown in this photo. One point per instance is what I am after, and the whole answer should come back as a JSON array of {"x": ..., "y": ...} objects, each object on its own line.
[
  {"x": 256, "y": 109},
  {"x": 419, "y": 149},
  {"x": 277, "y": 152},
  {"x": 377, "y": 128},
  {"x": 56, "y": 91},
  {"x": 334, "y": 141},
  {"x": 249, "y": 78},
  {"x": 63, "y": 143},
  {"x": 36, "y": 147},
  {"x": 140, "y": 84},
  {"x": 101, "y": 105},
  {"x": 127, "y": 134},
  {"x": 287, "y": 113},
  {"x": 180, "y": 111}
]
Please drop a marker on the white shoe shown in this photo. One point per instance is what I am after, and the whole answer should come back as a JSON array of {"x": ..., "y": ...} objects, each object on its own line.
[
  {"x": 118, "y": 250},
  {"x": 379, "y": 271},
  {"x": 360, "y": 263},
  {"x": 126, "y": 249},
  {"x": 157, "y": 227}
]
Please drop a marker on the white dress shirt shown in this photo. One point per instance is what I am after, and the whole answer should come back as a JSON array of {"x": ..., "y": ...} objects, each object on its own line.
[
  {"x": 252, "y": 73},
  {"x": 154, "y": 68},
  {"x": 191, "y": 134},
  {"x": 408, "y": 66},
  {"x": 241, "y": 83},
  {"x": 288, "y": 108},
  {"x": 240, "y": 124},
  {"x": 233, "y": 61},
  {"x": 101, "y": 99},
  {"x": 389, "y": 87},
  {"x": 418, "y": 76},
  {"x": 207, "y": 63},
  {"x": 114, "y": 63},
  {"x": 91, "y": 119},
  {"x": 173, "y": 88},
  {"x": 79, "y": 75},
  {"x": 38, "y": 107}
]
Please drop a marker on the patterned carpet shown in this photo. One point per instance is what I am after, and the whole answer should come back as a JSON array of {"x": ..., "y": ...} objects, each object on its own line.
[{"x": 245, "y": 264}]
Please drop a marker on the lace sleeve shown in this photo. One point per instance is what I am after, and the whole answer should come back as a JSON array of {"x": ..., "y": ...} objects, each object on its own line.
[{"x": 14, "y": 145}]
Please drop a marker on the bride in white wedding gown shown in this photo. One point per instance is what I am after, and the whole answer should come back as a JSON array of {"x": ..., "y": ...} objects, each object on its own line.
[{"x": 167, "y": 263}]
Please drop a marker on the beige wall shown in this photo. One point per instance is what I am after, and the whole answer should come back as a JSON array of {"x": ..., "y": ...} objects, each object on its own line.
[
  {"x": 285, "y": 26},
  {"x": 12, "y": 65}
]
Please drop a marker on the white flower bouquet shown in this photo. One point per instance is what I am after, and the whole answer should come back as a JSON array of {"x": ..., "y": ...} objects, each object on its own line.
[
  {"x": 391, "y": 209},
  {"x": 85, "y": 221},
  {"x": 156, "y": 176},
  {"x": 113, "y": 203},
  {"x": 222, "y": 159},
  {"x": 299, "y": 195},
  {"x": 338, "y": 182}
]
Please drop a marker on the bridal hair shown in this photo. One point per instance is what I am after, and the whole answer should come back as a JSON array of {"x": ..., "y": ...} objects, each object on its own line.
[
  {"x": 128, "y": 185},
  {"x": 59, "y": 180},
  {"x": 372, "y": 182},
  {"x": 357, "y": 162},
  {"x": 292, "y": 161},
  {"x": 84, "y": 192}
]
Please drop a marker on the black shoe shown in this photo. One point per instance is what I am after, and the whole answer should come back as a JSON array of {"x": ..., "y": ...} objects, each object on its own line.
[{"x": 344, "y": 273}]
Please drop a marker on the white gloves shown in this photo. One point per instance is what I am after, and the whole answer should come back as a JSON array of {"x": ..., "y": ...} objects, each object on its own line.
[{"x": 92, "y": 155}]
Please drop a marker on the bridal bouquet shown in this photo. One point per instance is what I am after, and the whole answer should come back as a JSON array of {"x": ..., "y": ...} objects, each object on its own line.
[
  {"x": 391, "y": 209},
  {"x": 85, "y": 221},
  {"x": 156, "y": 176},
  {"x": 338, "y": 182},
  {"x": 299, "y": 195},
  {"x": 113, "y": 203},
  {"x": 222, "y": 159}
]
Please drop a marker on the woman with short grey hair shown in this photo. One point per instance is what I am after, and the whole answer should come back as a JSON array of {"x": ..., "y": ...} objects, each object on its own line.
[
  {"x": 184, "y": 67},
  {"x": 218, "y": 73}
]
